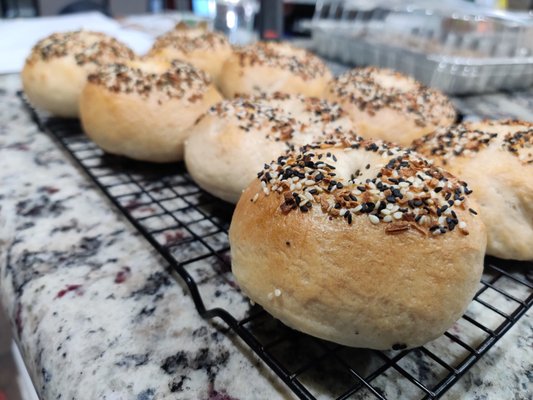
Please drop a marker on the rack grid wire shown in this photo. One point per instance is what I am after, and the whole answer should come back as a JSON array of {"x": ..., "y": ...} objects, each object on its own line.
[{"x": 188, "y": 227}]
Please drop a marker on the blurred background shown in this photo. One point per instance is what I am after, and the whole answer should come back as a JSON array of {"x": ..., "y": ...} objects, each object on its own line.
[{"x": 293, "y": 11}]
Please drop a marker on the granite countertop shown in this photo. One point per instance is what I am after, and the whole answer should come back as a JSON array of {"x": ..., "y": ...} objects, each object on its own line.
[{"x": 97, "y": 315}]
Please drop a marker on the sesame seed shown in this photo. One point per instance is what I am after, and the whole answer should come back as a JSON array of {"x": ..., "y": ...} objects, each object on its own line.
[
  {"x": 392, "y": 194},
  {"x": 373, "y": 219},
  {"x": 397, "y": 215}
]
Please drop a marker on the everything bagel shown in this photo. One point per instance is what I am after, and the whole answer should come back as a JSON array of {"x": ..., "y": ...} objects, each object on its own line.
[
  {"x": 57, "y": 68},
  {"x": 387, "y": 105},
  {"x": 144, "y": 110},
  {"x": 238, "y": 136},
  {"x": 360, "y": 243},
  {"x": 496, "y": 159}
]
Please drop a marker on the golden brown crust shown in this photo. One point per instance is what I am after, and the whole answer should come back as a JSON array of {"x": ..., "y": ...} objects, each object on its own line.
[
  {"x": 496, "y": 159},
  {"x": 388, "y": 105},
  {"x": 270, "y": 67},
  {"x": 57, "y": 68},
  {"x": 147, "y": 124},
  {"x": 353, "y": 281}
]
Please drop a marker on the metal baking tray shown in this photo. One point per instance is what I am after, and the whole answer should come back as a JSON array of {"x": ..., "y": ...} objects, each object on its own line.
[
  {"x": 473, "y": 50},
  {"x": 189, "y": 228}
]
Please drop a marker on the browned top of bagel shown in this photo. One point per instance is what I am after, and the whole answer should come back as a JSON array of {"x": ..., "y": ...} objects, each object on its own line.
[
  {"x": 175, "y": 80},
  {"x": 85, "y": 46},
  {"x": 372, "y": 89},
  {"x": 470, "y": 138},
  {"x": 253, "y": 114},
  {"x": 406, "y": 191}
]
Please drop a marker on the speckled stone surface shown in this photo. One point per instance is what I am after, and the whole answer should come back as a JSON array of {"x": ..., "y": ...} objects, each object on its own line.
[{"x": 98, "y": 316}]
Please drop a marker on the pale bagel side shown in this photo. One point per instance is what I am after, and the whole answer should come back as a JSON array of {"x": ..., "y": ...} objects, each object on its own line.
[
  {"x": 387, "y": 105},
  {"x": 145, "y": 110},
  {"x": 369, "y": 253},
  {"x": 267, "y": 67},
  {"x": 57, "y": 68},
  {"x": 496, "y": 159}
]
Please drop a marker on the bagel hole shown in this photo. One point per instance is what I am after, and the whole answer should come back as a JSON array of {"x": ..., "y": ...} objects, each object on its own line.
[
  {"x": 397, "y": 83},
  {"x": 149, "y": 66},
  {"x": 359, "y": 166}
]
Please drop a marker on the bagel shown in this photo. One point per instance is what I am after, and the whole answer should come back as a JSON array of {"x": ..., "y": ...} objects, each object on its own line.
[
  {"x": 267, "y": 67},
  {"x": 144, "y": 110},
  {"x": 387, "y": 105},
  {"x": 233, "y": 140},
  {"x": 204, "y": 49},
  {"x": 360, "y": 243},
  {"x": 496, "y": 159},
  {"x": 57, "y": 68}
]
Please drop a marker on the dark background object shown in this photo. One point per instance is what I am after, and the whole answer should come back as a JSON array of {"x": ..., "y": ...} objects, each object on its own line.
[
  {"x": 19, "y": 8},
  {"x": 271, "y": 19},
  {"x": 85, "y": 6},
  {"x": 294, "y": 14}
]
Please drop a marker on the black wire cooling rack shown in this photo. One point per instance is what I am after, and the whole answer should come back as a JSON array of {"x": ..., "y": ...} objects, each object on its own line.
[{"x": 189, "y": 228}]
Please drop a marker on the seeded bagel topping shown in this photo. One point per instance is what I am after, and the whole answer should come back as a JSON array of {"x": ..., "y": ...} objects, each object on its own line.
[
  {"x": 188, "y": 41},
  {"x": 298, "y": 61},
  {"x": 463, "y": 140},
  {"x": 179, "y": 81},
  {"x": 454, "y": 142},
  {"x": 363, "y": 87},
  {"x": 408, "y": 192},
  {"x": 272, "y": 111},
  {"x": 520, "y": 144},
  {"x": 86, "y": 47}
]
